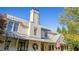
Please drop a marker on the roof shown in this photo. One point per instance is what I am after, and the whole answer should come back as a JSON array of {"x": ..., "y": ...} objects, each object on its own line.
[
  {"x": 45, "y": 27},
  {"x": 26, "y": 37},
  {"x": 17, "y": 18},
  {"x": 26, "y": 22},
  {"x": 58, "y": 37},
  {"x": 52, "y": 31}
]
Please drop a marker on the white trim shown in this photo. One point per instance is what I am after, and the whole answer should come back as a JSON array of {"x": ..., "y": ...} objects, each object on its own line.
[{"x": 12, "y": 27}]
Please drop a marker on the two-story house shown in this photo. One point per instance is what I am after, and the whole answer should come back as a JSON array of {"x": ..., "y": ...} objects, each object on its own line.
[{"x": 22, "y": 35}]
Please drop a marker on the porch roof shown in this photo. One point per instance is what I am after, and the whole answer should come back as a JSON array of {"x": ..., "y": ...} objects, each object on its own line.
[{"x": 25, "y": 37}]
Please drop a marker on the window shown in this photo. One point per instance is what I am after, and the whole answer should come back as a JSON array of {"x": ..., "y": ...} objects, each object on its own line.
[
  {"x": 10, "y": 25},
  {"x": 15, "y": 27},
  {"x": 7, "y": 44},
  {"x": 44, "y": 34}
]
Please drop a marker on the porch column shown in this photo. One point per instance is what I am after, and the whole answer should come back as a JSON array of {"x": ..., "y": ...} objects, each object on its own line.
[
  {"x": 17, "y": 42},
  {"x": 6, "y": 38},
  {"x": 64, "y": 47},
  {"x": 27, "y": 45},
  {"x": 28, "y": 49},
  {"x": 4, "y": 45},
  {"x": 54, "y": 47}
]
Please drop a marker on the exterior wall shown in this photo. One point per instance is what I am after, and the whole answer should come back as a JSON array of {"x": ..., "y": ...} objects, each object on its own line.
[
  {"x": 34, "y": 16},
  {"x": 34, "y": 23},
  {"x": 30, "y": 48},
  {"x": 32, "y": 26},
  {"x": 1, "y": 46},
  {"x": 23, "y": 30},
  {"x": 46, "y": 45},
  {"x": 31, "y": 29},
  {"x": 39, "y": 32},
  {"x": 46, "y": 48},
  {"x": 13, "y": 45},
  {"x": 2, "y": 43},
  {"x": 23, "y": 25}
]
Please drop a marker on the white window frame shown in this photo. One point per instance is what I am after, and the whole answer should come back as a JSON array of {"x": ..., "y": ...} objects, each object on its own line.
[{"x": 12, "y": 25}]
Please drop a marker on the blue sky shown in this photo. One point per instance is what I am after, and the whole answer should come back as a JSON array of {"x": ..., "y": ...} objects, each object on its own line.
[{"x": 49, "y": 16}]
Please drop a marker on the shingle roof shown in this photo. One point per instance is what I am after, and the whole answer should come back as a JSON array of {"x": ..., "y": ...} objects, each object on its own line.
[{"x": 25, "y": 37}]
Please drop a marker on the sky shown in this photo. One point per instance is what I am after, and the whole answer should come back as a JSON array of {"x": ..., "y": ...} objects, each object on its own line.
[{"x": 49, "y": 16}]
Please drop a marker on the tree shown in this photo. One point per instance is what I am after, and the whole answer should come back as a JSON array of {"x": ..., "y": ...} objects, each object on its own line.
[
  {"x": 58, "y": 30},
  {"x": 64, "y": 30},
  {"x": 71, "y": 20}
]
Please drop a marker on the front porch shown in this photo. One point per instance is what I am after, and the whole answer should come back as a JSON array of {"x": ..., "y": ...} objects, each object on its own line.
[
  {"x": 16, "y": 42},
  {"x": 12, "y": 44}
]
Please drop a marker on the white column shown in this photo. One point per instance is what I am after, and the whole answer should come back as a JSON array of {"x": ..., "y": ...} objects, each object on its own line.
[{"x": 17, "y": 42}]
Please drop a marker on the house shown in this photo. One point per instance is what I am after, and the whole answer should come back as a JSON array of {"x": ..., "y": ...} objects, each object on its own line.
[{"x": 22, "y": 35}]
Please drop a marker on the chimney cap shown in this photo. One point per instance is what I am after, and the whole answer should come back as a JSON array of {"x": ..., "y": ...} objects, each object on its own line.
[{"x": 35, "y": 9}]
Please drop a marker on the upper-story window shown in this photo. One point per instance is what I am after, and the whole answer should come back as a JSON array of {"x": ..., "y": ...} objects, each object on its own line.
[
  {"x": 15, "y": 26},
  {"x": 12, "y": 26},
  {"x": 44, "y": 34}
]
